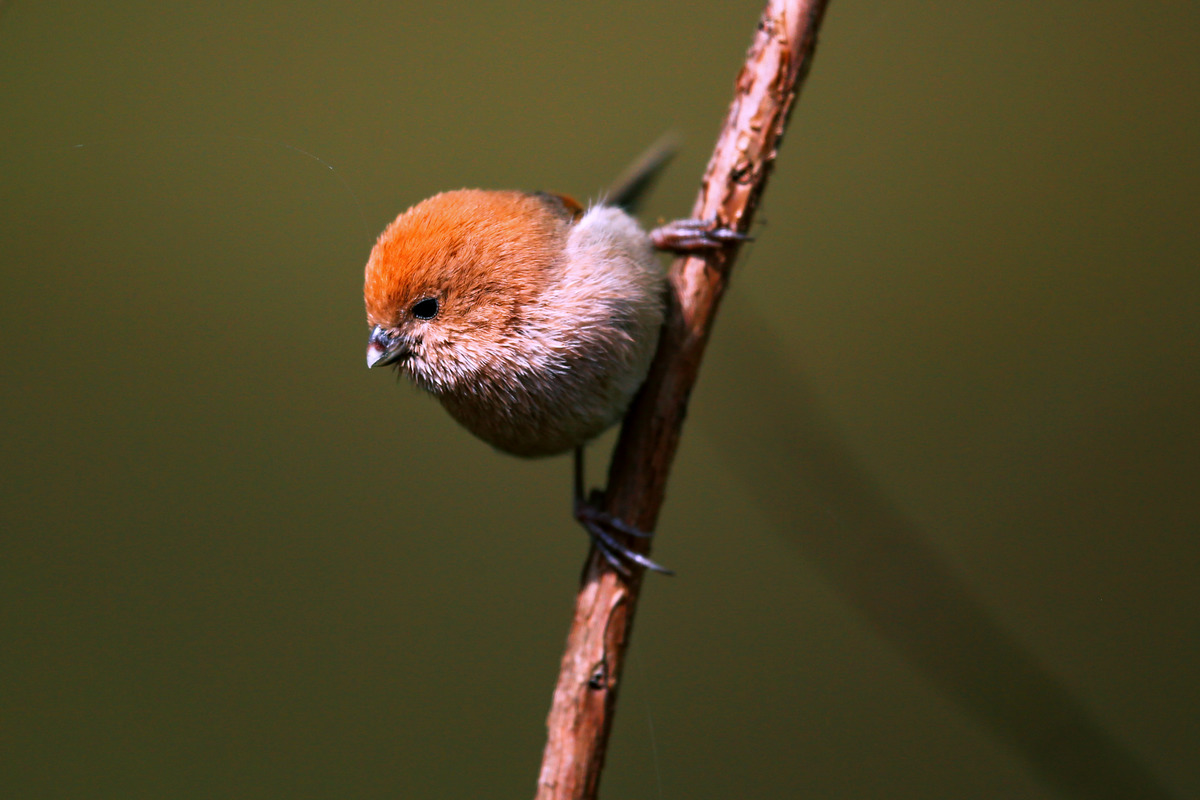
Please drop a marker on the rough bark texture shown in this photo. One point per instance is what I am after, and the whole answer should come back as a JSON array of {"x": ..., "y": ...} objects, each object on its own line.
[{"x": 586, "y": 695}]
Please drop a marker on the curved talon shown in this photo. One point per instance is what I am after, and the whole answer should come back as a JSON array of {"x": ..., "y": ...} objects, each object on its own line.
[
  {"x": 612, "y": 558},
  {"x": 694, "y": 235},
  {"x": 595, "y": 515},
  {"x": 594, "y": 522},
  {"x": 598, "y": 523}
]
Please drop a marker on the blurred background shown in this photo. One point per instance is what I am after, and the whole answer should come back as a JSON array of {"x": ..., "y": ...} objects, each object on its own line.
[{"x": 935, "y": 512}]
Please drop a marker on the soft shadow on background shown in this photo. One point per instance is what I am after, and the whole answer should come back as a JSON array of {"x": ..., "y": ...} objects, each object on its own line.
[{"x": 235, "y": 563}]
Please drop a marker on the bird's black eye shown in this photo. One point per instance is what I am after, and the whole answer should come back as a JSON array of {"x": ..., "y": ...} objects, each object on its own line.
[{"x": 426, "y": 309}]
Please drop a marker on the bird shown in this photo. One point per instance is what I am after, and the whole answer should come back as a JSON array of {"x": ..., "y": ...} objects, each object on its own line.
[{"x": 532, "y": 319}]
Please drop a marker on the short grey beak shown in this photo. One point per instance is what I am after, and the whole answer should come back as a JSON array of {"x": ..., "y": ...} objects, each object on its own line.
[{"x": 382, "y": 349}]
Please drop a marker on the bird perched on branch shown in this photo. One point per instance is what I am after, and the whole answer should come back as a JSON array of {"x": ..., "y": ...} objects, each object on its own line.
[{"x": 532, "y": 319}]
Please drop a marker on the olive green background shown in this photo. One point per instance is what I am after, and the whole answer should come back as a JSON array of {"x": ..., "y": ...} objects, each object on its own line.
[{"x": 934, "y": 515}]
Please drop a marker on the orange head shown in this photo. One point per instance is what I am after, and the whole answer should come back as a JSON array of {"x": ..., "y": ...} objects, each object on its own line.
[{"x": 448, "y": 281}]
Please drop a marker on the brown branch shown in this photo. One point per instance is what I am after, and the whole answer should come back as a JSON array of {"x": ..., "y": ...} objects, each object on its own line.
[{"x": 586, "y": 695}]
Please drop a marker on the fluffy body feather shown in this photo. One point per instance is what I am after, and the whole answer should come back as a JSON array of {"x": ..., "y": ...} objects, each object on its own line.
[{"x": 547, "y": 316}]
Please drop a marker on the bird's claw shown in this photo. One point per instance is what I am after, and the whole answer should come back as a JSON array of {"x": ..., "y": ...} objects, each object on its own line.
[
  {"x": 600, "y": 524},
  {"x": 694, "y": 236}
]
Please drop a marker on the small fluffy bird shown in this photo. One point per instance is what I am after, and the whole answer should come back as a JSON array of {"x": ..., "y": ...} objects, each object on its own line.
[{"x": 531, "y": 319}]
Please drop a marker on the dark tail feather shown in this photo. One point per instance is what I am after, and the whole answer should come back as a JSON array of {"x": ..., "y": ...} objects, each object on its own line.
[{"x": 628, "y": 190}]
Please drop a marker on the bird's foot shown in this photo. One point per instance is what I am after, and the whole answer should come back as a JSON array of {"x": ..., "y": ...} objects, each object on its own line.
[
  {"x": 600, "y": 525},
  {"x": 694, "y": 236}
]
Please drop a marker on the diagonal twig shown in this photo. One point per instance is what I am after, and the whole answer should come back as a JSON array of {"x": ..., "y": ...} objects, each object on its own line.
[{"x": 586, "y": 694}]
